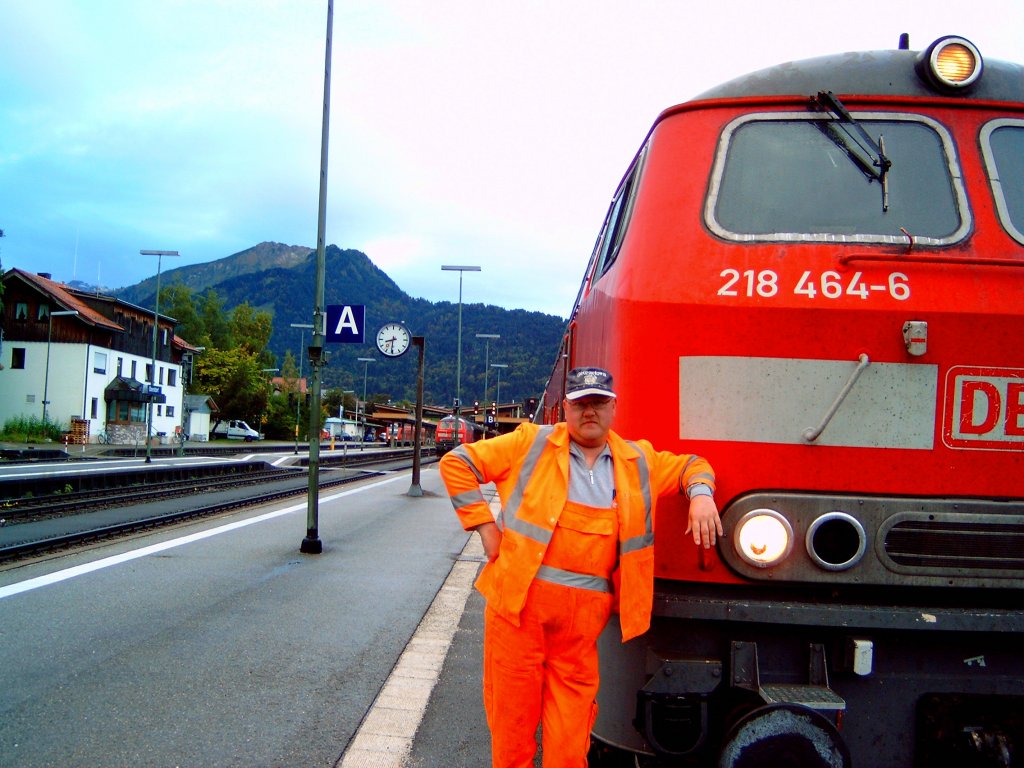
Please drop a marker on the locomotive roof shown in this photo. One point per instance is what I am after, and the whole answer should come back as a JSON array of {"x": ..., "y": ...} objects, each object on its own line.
[{"x": 889, "y": 72}]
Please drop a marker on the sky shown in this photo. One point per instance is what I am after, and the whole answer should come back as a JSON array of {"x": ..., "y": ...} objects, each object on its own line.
[{"x": 462, "y": 132}]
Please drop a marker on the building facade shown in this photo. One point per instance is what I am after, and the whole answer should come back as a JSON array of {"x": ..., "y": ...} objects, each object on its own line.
[{"x": 75, "y": 356}]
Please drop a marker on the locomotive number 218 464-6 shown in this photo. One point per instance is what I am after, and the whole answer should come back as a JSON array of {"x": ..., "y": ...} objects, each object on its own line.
[{"x": 766, "y": 283}]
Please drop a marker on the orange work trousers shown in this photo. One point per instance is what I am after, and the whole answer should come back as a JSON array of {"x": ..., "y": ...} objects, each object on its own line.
[{"x": 545, "y": 672}]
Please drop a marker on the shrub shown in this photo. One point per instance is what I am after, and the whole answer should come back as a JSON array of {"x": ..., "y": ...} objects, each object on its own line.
[{"x": 31, "y": 429}]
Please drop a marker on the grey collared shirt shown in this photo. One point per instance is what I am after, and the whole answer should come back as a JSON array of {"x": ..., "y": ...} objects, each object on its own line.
[{"x": 593, "y": 486}]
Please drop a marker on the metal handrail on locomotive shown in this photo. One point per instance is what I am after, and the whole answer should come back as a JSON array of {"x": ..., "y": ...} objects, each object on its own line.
[
  {"x": 812, "y": 275},
  {"x": 448, "y": 435}
]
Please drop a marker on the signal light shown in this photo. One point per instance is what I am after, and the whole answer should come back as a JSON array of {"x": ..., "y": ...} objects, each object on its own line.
[
  {"x": 951, "y": 63},
  {"x": 763, "y": 538}
]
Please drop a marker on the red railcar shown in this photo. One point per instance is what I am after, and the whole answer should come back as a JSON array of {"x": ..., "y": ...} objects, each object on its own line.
[
  {"x": 401, "y": 433},
  {"x": 813, "y": 276}
]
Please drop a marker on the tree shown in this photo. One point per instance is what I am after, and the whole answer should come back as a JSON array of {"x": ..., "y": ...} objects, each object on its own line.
[
  {"x": 279, "y": 423},
  {"x": 215, "y": 320},
  {"x": 180, "y": 305},
  {"x": 250, "y": 330},
  {"x": 232, "y": 377}
]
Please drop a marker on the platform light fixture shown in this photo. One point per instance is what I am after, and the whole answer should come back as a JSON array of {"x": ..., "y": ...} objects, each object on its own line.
[
  {"x": 499, "y": 366},
  {"x": 366, "y": 365},
  {"x": 458, "y": 355},
  {"x": 487, "y": 355},
  {"x": 152, "y": 370},
  {"x": 49, "y": 336},
  {"x": 298, "y": 400}
]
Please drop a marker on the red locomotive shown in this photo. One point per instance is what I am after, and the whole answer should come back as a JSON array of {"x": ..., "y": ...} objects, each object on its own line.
[
  {"x": 454, "y": 430},
  {"x": 813, "y": 276}
]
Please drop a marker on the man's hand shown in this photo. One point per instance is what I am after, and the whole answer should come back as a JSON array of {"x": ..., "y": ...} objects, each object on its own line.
[
  {"x": 704, "y": 521},
  {"x": 490, "y": 537}
]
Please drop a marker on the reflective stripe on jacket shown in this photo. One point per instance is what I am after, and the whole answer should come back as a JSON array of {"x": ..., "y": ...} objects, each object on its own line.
[{"x": 530, "y": 468}]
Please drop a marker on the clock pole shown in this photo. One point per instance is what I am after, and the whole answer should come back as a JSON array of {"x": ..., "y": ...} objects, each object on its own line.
[{"x": 417, "y": 440}]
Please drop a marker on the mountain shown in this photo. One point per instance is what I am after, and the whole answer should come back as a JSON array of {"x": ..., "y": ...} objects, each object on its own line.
[{"x": 280, "y": 279}]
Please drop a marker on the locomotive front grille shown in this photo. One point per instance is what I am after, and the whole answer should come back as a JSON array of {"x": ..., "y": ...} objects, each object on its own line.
[{"x": 930, "y": 543}]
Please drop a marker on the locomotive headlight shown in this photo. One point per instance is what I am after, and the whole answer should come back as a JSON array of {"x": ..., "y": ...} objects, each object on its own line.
[
  {"x": 951, "y": 63},
  {"x": 763, "y": 538}
]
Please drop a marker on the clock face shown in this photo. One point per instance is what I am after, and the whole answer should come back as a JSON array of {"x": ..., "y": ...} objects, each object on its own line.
[{"x": 393, "y": 339}]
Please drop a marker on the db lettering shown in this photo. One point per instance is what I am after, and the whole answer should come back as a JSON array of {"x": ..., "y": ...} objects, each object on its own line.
[
  {"x": 985, "y": 408},
  {"x": 987, "y": 398}
]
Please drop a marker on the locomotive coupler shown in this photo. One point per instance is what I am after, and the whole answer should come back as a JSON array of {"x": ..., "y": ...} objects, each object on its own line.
[{"x": 672, "y": 708}]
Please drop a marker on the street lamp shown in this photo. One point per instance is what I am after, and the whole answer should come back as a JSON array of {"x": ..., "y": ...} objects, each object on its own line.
[
  {"x": 186, "y": 413},
  {"x": 487, "y": 356},
  {"x": 152, "y": 372},
  {"x": 298, "y": 400},
  {"x": 366, "y": 365},
  {"x": 499, "y": 366},
  {"x": 49, "y": 335},
  {"x": 261, "y": 419},
  {"x": 458, "y": 356}
]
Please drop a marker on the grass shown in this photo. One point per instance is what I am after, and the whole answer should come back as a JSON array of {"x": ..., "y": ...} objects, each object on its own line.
[{"x": 31, "y": 429}]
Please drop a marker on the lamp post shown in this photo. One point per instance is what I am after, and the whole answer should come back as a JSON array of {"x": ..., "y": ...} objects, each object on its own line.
[
  {"x": 366, "y": 365},
  {"x": 354, "y": 397},
  {"x": 298, "y": 400},
  {"x": 186, "y": 413},
  {"x": 499, "y": 366},
  {"x": 458, "y": 355},
  {"x": 487, "y": 356},
  {"x": 152, "y": 371},
  {"x": 49, "y": 335},
  {"x": 271, "y": 378}
]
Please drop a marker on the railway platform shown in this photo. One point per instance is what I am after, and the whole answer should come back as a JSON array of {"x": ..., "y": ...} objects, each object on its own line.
[{"x": 218, "y": 644}]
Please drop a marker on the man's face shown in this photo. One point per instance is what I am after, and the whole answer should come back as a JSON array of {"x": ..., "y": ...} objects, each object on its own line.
[{"x": 589, "y": 419}]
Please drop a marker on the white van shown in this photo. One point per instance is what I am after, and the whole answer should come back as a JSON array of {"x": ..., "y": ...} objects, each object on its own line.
[{"x": 235, "y": 430}]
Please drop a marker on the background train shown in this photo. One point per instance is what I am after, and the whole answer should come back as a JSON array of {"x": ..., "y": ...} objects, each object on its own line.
[
  {"x": 454, "y": 430},
  {"x": 812, "y": 275}
]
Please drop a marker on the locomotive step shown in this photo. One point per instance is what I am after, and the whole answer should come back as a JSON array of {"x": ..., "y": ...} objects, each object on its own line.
[{"x": 811, "y": 696}]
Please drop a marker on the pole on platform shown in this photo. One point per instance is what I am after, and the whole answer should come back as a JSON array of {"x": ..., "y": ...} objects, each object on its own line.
[
  {"x": 311, "y": 544},
  {"x": 417, "y": 441}
]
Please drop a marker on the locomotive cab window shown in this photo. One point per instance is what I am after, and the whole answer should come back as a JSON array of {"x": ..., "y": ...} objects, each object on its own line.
[
  {"x": 1002, "y": 142},
  {"x": 619, "y": 214},
  {"x": 798, "y": 177}
]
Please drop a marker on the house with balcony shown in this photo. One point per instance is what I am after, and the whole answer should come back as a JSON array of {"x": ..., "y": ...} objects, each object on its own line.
[{"x": 85, "y": 361}]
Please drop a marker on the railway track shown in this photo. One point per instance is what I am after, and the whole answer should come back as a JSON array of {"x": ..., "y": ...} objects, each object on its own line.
[
  {"x": 55, "y": 541},
  {"x": 31, "y": 508}
]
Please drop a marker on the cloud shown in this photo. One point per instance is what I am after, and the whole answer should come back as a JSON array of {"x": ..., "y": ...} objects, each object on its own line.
[{"x": 460, "y": 131}]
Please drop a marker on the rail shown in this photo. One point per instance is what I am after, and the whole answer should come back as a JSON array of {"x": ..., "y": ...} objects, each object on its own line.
[{"x": 23, "y": 549}]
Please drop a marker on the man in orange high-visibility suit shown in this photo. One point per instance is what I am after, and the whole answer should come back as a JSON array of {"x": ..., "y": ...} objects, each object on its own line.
[{"x": 573, "y": 541}]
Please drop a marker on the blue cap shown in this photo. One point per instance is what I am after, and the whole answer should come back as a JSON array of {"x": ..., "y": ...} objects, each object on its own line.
[{"x": 588, "y": 381}]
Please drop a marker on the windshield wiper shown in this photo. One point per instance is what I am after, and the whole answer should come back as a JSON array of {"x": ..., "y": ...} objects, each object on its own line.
[{"x": 850, "y": 136}]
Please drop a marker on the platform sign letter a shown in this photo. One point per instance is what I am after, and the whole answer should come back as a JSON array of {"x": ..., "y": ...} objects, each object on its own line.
[{"x": 345, "y": 323}]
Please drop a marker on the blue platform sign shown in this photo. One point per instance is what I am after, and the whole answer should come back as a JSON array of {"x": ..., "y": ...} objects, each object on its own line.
[{"x": 345, "y": 323}]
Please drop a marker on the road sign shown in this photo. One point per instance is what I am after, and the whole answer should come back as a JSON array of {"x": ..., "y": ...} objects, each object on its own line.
[{"x": 346, "y": 323}]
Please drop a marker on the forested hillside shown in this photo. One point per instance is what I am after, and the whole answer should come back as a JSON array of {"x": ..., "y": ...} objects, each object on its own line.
[{"x": 279, "y": 280}]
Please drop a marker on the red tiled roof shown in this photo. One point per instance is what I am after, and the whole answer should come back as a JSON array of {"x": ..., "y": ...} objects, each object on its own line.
[
  {"x": 184, "y": 346},
  {"x": 60, "y": 293},
  {"x": 280, "y": 383}
]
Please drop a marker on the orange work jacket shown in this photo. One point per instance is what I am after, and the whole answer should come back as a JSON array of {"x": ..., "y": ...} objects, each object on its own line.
[{"x": 530, "y": 468}]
